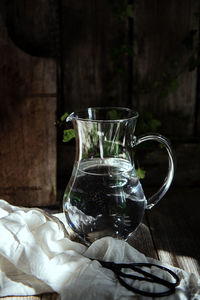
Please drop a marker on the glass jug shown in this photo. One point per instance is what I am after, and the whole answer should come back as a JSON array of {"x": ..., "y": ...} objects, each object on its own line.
[{"x": 104, "y": 196}]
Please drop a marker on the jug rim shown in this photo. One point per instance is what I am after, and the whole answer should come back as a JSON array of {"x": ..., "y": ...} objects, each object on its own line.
[{"x": 90, "y": 116}]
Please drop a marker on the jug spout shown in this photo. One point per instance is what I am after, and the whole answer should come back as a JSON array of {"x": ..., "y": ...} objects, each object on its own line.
[{"x": 71, "y": 117}]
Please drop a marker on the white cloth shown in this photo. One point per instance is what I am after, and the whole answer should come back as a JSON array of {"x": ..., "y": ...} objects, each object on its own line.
[{"x": 37, "y": 256}]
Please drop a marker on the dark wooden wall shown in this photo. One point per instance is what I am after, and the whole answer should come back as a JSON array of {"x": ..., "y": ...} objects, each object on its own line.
[
  {"x": 27, "y": 108},
  {"x": 162, "y": 61},
  {"x": 58, "y": 56}
]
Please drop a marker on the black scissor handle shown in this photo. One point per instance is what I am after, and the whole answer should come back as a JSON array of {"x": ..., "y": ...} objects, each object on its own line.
[
  {"x": 148, "y": 277},
  {"x": 167, "y": 292}
]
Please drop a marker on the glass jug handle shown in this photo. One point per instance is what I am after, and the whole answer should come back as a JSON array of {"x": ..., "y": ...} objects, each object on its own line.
[{"x": 171, "y": 166}]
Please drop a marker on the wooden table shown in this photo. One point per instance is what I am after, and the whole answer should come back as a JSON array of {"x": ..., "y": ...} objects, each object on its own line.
[{"x": 170, "y": 233}]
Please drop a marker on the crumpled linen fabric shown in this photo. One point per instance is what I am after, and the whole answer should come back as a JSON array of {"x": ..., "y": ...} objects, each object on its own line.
[{"x": 37, "y": 256}]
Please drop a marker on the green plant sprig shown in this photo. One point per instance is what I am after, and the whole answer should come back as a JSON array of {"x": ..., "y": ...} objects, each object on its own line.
[{"x": 68, "y": 134}]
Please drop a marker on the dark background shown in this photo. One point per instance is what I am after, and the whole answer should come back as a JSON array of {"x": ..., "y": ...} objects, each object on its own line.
[{"x": 58, "y": 56}]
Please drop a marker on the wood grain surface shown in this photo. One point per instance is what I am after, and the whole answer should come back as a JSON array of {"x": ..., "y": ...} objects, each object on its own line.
[
  {"x": 175, "y": 227},
  {"x": 160, "y": 29},
  {"x": 27, "y": 126}
]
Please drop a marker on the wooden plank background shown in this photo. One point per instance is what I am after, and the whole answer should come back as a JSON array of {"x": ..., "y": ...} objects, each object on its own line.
[
  {"x": 27, "y": 125},
  {"x": 58, "y": 56},
  {"x": 160, "y": 31}
]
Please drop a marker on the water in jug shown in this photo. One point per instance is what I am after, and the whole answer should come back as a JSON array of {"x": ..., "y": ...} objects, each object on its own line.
[{"x": 104, "y": 196}]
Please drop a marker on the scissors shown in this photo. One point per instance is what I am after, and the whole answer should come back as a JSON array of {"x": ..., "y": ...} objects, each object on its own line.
[{"x": 147, "y": 276}]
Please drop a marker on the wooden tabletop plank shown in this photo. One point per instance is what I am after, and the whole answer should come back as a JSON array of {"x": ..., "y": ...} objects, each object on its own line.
[
  {"x": 175, "y": 226},
  {"x": 142, "y": 240}
]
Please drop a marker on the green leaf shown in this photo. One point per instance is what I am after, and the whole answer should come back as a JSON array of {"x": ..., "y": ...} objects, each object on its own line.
[
  {"x": 140, "y": 173},
  {"x": 154, "y": 124},
  {"x": 68, "y": 134},
  {"x": 64, "y": 116},
  {"x": 129, "y": 11},
  {"x": 173, "y": 85},
  {"x": 174, "y": 63},
  {"x": 147, "y": 123},
  {"x": 113, "y": 115}
]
